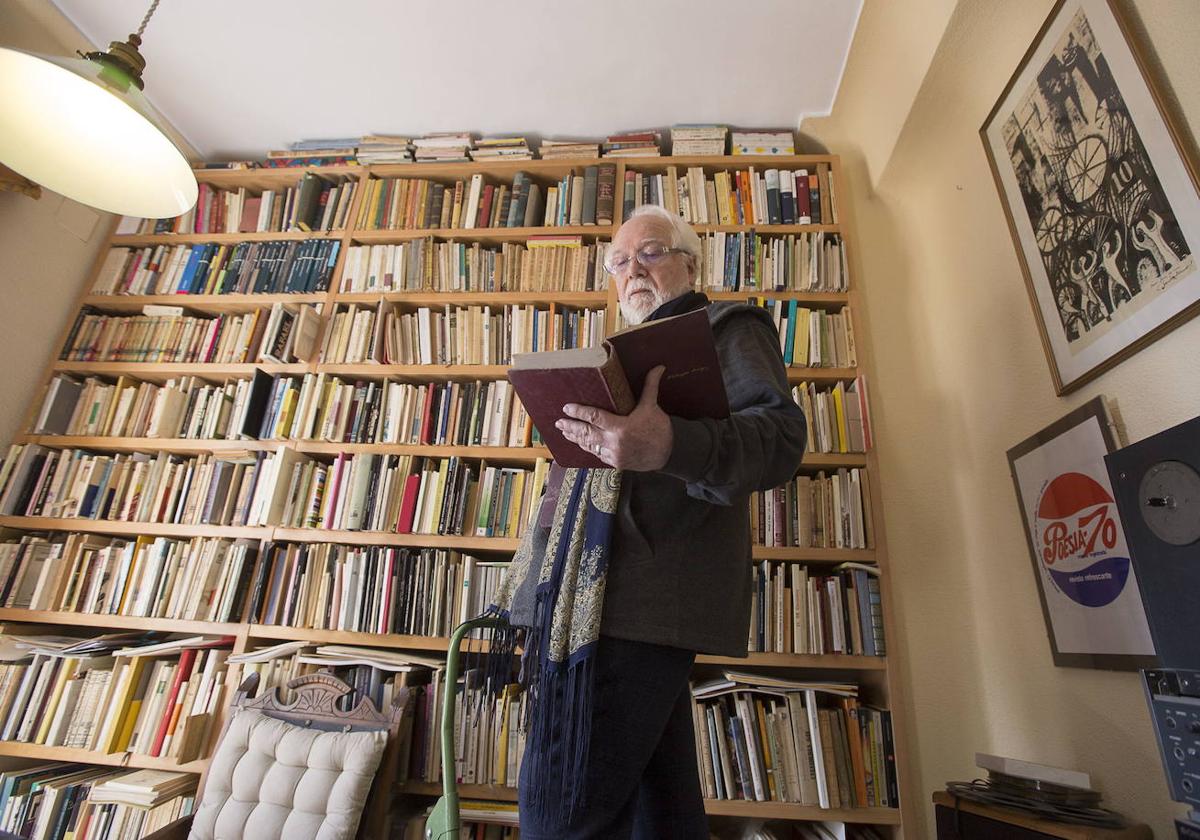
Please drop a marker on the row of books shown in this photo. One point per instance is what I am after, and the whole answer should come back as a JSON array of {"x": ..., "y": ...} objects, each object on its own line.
[
  {"x": 282, "y": 333},
  {"x": 401, "y": 494},
  {"x": 817, "y": 511},
  {"x": 245, "y": 268},
  {"x": 541, "y": 264},
  {"x": 328, "y": 408},
  {"x": 222, "y": 489},
  {"x": 744, "y": 261},
  {"x": 585, "y": 199},
  {"x": 83, "y": 802},
  {"x": 391, "y": 493},
  {"x": 812, "y": 337},
  {"x": 809, "y": 743},
  {"x": 795, "y": 610},
  {"x": 453, "y": 335},
  {"x": 120, "y": 693},
  {"x": 315, "y": 406},
  {"x": 317, "y": 202},
  {"x": 838, "y": 417},
  {"x": 449, "y": 146},
  {"x": 203, "y": 579},
  {"x": 371, "y": 589},
  {"x": 736, "y": 197}
]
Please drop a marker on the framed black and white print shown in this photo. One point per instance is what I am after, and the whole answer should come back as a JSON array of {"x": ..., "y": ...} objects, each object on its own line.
[{"x": 1101, "y": 194}]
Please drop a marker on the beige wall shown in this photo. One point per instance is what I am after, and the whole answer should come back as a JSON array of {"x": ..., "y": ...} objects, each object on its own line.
[
  {"x": 47, "y": 245},
  {"x": 960, "y": 379}
]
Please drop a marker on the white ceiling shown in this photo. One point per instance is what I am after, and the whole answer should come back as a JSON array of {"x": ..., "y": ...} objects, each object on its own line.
[{"x": 238, "y": 77}]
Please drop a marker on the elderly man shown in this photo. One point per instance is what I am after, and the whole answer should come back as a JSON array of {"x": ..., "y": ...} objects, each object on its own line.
[{"x": 678, "y": 562}]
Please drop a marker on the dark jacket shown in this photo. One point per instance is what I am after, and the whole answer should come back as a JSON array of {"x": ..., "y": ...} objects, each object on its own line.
[{"x": 679, "y": 572}]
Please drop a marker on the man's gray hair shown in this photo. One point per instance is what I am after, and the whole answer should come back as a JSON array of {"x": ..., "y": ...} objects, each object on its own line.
[{"x": 682, "y": 235}]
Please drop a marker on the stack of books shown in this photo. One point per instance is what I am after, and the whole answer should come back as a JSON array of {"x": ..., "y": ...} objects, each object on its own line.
[
  {"x": 384, "y": 148},
  {"x": 328, "y": 152},
  {"x": 698, "y": 139},
  {"x": 763, "y": 143},
  {"x": 143, "y": 788},
  {"x": 501, "y": 148},
  {"x": 633, "y": 144},
  {"x": 560, "y": 149},
  {"x": 444, "y": 147}
]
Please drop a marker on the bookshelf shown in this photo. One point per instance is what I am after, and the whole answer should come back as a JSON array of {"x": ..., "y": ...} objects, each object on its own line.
[{"x": 879, "y": 675}]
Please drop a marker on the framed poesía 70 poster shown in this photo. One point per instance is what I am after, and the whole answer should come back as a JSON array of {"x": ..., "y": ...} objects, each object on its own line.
[
  {"x": 1101, "y": 192},
  {"x": 1088, "y": 589}
]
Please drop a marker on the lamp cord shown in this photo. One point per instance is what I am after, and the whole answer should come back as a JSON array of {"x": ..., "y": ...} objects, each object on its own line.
[{"x": 146, "y": 19}]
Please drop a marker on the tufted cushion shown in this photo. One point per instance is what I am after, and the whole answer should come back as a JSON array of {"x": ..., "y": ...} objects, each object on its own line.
[{"x": 271, "y": 780}]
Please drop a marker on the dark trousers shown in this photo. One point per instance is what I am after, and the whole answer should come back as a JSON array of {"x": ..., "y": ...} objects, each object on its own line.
[{"x": 642, "y": 779}]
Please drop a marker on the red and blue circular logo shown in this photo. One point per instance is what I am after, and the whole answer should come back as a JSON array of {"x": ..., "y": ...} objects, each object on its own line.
[{"x": 1076, "y": 533}]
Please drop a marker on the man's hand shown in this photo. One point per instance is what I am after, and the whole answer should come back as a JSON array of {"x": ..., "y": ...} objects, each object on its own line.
[{"x": 640, "y": 441}]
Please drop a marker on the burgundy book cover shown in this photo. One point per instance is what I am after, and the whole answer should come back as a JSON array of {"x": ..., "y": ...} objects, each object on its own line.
[
  {"x": 250, "y": 210},
  {"x": 611, "y": 377},
  {"x": 408, "y": 503}
]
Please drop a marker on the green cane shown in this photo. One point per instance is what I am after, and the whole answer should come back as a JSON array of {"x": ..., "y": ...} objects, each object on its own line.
[{"x": 443, "y": 822}]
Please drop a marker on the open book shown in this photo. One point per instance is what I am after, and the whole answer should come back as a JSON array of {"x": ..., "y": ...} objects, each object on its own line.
[{"x": 611, "y": 376}]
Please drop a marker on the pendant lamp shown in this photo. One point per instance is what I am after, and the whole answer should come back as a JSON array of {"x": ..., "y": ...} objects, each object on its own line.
[{"x": 83, "y": 128}]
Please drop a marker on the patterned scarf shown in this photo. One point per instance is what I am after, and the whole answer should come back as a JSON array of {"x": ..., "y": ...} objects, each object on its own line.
[{"x": 567, "y": 565}]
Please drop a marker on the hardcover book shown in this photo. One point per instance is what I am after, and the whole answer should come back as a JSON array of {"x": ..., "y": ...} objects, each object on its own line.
[{"x": 610, "y": 377}]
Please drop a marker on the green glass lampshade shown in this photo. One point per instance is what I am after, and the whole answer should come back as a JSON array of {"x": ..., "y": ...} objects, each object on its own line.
[{"x": 83, "y": 128}]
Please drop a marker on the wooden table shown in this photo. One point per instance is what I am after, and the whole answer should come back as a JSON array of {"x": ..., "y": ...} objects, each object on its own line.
[{"x": 977, "y": 821}]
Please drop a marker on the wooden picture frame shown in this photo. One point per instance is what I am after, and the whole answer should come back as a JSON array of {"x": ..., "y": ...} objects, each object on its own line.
[
  {"x": 1091, "y": 602},
  {"x": 1101, "y": 193}
]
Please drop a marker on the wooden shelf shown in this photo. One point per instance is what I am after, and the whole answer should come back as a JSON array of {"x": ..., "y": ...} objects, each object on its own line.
[
  {"x": 187, "y": 446},
  {"x": 827, "y": 661},
  {"x": 772, "y": 230},
  {"x": 817, "y": 460},
  {"x": 724, "y": 807},
  {"x": 19, "y": 749},
  {"x": 159, "y": 371},
  {"x": 505, "y": 454},
  {"x": 205, "y": 303},
  {"x": 348, "y": 637},
  {"x": 139, "y": 240},
  {"x": 813, "y": 555},
  {"x": 789, "y": 811},
  {"x": 495, "y": 793},
  {"x": 822, "y": 376},
  {"x": 807, "y": 298},
  {"x": 133, "y": 529},
  {"x": 120, "y": 622},
  {"x": 421, "y": 372},
  {"x": 423, "y": 298},
  {"x": 506, "y": 544},
  {"x": 272, "y": 177},
  {"x": 182, "y": 446},
  {"x": 487, "y": 234}
]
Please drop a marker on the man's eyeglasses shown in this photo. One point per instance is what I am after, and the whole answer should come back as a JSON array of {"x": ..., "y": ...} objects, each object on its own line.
[{"x": 648, "y": 255}]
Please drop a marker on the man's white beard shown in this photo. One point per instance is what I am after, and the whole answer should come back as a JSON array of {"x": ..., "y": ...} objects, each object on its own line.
[{"x": 637, "y": 312}]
